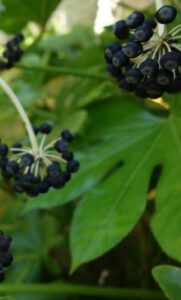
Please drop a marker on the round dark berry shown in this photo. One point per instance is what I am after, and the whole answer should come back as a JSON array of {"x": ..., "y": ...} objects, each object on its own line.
[
  {"x": 140, "y": 91},
  {"x": 3, "y": 149},
  {"x": 121, "y": 30},
  {"x": 171, "y": 60},
  {"x": 12, "y": 167},
  {"x": 5, "y": 242},
  {"x": 45, "y": 128},
  {"x": 135, "y": 19},
  {"x": 17, "y": 146},
  {"x": 67, "y": 135},
  {"x": 119, "y": 59},
  {"x": 111, "y": 50},
  {"x": 18, "y": 38},
  {"x": 148, "y": 67},
  {"x": 73, "y": 166},
  {"x": 114, "y": 71},
  {"x": 43, "y": 186},
  {"x": 132, "y": 76},
  {"x": 27, "y": 159},
  {"x": 66, "y": 175},
  {"x": 68, "y": 155},
  {"x": 152, "y": 88},
  {"x": 125, "y": 86},
  {"x": 151, "y": 23},
  {"x": 53, "y": 170},
  {"x": 175, "y": 85},
  {"x": 166, "y": 14},
  {"x": 164, "y": 77},
  {"x": 61, "y": 146},
  {"x": 35, "y": 129},
  {"x": 58, "y": 181},
  {"x": 143, "y": 33},
  {"x": 132, "y": 49},
  {"x": 6, "y": 259}
]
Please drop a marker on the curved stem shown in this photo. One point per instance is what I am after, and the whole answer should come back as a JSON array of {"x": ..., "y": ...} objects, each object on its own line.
[
  {"x": 72, "y": 289},
  {"x": 6, "y": 88},
  {"x": 161, "y": 27}
]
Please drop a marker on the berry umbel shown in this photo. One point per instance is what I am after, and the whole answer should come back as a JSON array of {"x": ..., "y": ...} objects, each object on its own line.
[
  {"x": 149, "y": 62},
  {"x": 12, "y": 53},
  {"x": 35, "y": 171}
]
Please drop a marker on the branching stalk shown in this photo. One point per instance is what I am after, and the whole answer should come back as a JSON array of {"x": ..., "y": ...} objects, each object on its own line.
[{"x": 14, "y": 99}]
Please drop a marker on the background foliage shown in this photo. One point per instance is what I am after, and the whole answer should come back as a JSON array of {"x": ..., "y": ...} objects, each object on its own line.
[{"x": 126, "y": 196}]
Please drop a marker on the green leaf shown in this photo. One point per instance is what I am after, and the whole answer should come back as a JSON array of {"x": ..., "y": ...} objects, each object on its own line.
[
  {"x": 169, "y": 280},
  {"x": 108, "y": 212},
  {"x": 18, "y": 13}
]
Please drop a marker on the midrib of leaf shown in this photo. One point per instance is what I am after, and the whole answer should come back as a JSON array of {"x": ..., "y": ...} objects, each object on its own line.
[
  {"x": 117, "y": 199},
  {"x": 113, "y": 152}
]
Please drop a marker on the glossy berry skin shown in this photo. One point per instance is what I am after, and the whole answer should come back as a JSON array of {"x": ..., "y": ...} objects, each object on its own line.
[
  {"x": 61, "y": 146},
  {"x": 120, "y": 59},
  {"x": 132, "y": 49},
  {"x": 135, "y": 19},
  {"x": 6, "y": 259},
  {"x": 114, "y": 71},
  {"x": 166, "y": 14},
  {"x": 68, "y": 155},
  {"x": 171, "y": 60},
  {"x": 121, "y": 29},
  {"x": 153, "y": 89},
  {"x": 3, "y": 149},
  {"x": 125, "y": 86},
  {"x": 151, "y": 23},
  {"x": 164, "y": 77},
  {"x": 111, "y": 50},
  {"x": 18, "y": 146},
  {"x": 5, "y": 242},
  {"x": 148, "y": 67},
  {"x": 27, "y": 159},
  {"x": 73, "y": 166},
  {"x": 67, "y": 135},
  {"x": 175, "y": 85},
  {"x": 12, "y": 167},
  {"x": 45, "y": 128},
  {"x": 35, "y": 129},
  {"x": 133, "y": 75},
  {"x": 143, "y": 33}
]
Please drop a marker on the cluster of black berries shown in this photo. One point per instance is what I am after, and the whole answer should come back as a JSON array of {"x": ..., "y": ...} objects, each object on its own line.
[
  {"x": 12, "y": 54},
  {"x": 148, "y": 64},
  {"x": 5, "y": 255},
  {"x": 35, "y": 172}
]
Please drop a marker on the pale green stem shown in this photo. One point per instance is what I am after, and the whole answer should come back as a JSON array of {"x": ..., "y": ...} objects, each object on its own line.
[
  {"x": 161, "y": 27},
  {"x": 81, "y": 290},
  {"x": 14, "y": 99}
]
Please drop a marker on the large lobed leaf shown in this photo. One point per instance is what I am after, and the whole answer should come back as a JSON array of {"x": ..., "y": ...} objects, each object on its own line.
[
  {"x": 169, "y": 280},
  {"x": 115, "y": 196}
]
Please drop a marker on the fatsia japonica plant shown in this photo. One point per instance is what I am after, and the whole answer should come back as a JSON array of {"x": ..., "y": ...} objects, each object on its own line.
[{"x": 129, "y": 152}]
